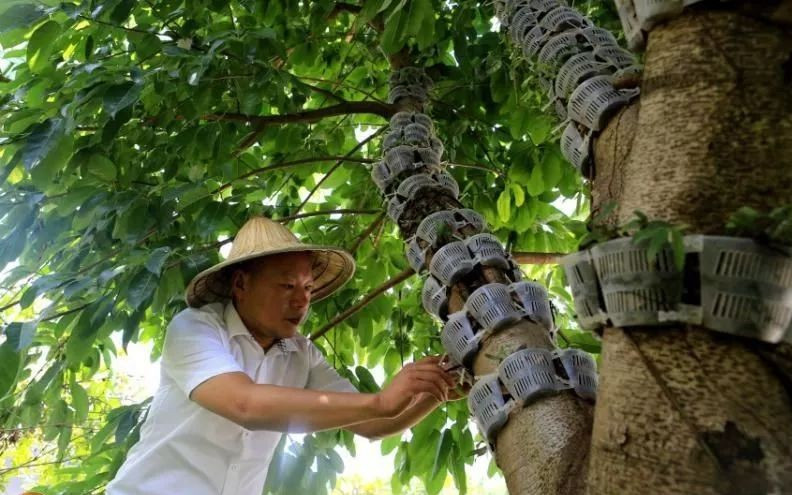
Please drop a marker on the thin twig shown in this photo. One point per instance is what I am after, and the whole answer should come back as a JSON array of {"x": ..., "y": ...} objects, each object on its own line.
[
  {"x": 394, "y": 281},
  {"x": 366, "y": 233}
]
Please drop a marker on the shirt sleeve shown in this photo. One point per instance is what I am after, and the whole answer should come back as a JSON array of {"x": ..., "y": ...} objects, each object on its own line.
[
  {"x": 322, "y": 376},
  {"x": 194, "y": 351}
]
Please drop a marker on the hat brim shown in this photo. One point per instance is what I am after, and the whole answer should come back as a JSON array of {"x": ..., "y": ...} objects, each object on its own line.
[{"x": 332, "y": 268}]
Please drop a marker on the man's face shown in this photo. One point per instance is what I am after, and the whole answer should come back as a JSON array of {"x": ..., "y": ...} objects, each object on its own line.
[{"x": 273, "y": 296}]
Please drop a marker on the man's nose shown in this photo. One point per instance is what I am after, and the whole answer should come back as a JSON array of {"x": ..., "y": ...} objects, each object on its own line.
[{"x": 301, "y": 297}]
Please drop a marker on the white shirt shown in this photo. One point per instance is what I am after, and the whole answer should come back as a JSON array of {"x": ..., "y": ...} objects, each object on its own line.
[{"x": 185, "y": 448}]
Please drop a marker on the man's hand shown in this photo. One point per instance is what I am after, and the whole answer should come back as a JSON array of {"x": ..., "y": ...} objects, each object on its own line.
[{"x": 425, "y": 375}]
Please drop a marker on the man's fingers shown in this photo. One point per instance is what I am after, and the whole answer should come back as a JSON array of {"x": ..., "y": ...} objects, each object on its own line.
[
  {"x": 433, "y": 368},
  {"x": 437, "y": 391}
]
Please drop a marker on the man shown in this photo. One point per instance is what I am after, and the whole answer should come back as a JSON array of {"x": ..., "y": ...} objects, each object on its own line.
[{"x": 236, "y": 374}]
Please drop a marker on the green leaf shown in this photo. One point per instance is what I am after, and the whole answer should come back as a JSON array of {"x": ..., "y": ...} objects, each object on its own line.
[
  {"x": 553, "y": 165},
  {"x": 21, "y": 15},
  {"x": 535, "y": 185},
  {"x": 443, "y": 449},
  {"x": 157, "y": 259},
  {"x": 41, "y": 46},
  {"x": 126, "y": 421},
  {"x": 120, "y": 96},
  {"x": 392, "y": 361},
  {"x": 20, "y": 335},
  {"x": 387, "y": 444},
  {"x": 9, "y": 368},
  {"x": 141, "y": 288},
  {"x": 518, "y": 193},
  {"x": 101, "y": 167},
  {"x": 42, "y": 140},
  {"x": 538, "y": 127},
  {"x": 678, "y": 249},
  {"x": 504, "y": 206},
  {"x": 79, "y": 401},
  {"x": 367, "y": 382},
  {"x": 393, "y": 36}
]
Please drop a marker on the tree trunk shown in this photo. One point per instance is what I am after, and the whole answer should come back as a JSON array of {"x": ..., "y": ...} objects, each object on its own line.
[
  {"x": 543, "y": 449},
  {"x": 688, "y": 410}
]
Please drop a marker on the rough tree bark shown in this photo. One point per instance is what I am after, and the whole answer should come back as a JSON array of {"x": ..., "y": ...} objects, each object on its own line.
[{"x": 686, "y": 410}]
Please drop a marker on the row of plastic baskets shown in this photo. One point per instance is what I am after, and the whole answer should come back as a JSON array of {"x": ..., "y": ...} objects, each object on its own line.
[
  {"x": 410, "y": 76},
  {"x": 401, "y": 120},
  {"x": 526, "y": 376},
  {"x": 730, "y": 285},
  {"x": 412, "y": 134},
  {"x": 446, "y": 225},
  {"x": 414, "y": 91},
  {"x": 494, "y": 306}
]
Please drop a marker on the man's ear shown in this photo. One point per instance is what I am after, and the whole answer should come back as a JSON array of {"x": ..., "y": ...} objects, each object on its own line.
[{"x": 239, "y": 281}]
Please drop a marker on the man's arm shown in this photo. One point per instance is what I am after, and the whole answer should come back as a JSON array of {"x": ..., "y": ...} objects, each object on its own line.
[
  {"x": 269, "y": 407},
  {"x": 379, "y": 428}
]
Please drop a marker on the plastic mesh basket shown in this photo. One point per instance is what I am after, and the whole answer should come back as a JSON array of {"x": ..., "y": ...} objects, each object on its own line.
[
  {"x": 458, "y": 338},
  {"x": 447, "y": 182},
  {"x": 435, "y": 225},
  {"x": 575, "y": 70},
  {"x": 400, "y": 120},
  {"x": 598, "y": 37},
  {"x": 416, "y": 134},
  {"x": 558, "y": 49},
  {"x": 451, "y": 262},
  {"x": 636, "y": 290},
  {"x": 434, "y": 298},
  {"x": 582, "y": 372},
  {"x": 487, "y": 250},
  {"x": 416, "y": 257},
  {"x": 522, "y": 22},
  {"x": 472, "y": 219},
  {"x": 630, "y": 24},
  {"x": 529, "y": 374},
  {"x": 399, "y": 159},
  {"x": 414, "y": 183},
  {"x": 395, "y": 208},
  {"x": 492, "y": 307},
  {"x": 534, "y": 40},
  {"x": 583, "y": 283},
  {"x": 594, "y": 101},
  {"x": 615, "y": 56},
  {"x": 488, "y": 406},
  {"x": 381, "y": 176},
  {"x": 392, "y": 139},
  {"x": 429, "y": 156},
  {"x": 533, "y": 299},
  {"x": 746, "y": 288},
  {"x": 424, "y": 120},
  {"x": 574, "y": 147},
  {"x": 562, "y": 18},
  {"x": 650, "y": 12}
]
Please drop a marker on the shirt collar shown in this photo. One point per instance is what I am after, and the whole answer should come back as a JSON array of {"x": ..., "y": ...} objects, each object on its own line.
[{"x": 236, "y": 327}]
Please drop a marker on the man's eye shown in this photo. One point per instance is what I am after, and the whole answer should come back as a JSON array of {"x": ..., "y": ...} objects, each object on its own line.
[{"x": 288, "y": 286}]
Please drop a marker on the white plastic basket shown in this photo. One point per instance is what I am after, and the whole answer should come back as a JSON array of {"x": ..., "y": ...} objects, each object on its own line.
[
  {"x": 435, "y": 225},
  {"x": 416, "y": 257},
  {"x": 434, "y": 298},
  {"x": 575, "y": 70},
  {"x": 562, "y": 18},
  {"x": 581, "y": 371},
  {"x": 594, "y": 101},
  {"x": 492, "y": 307},
  {"x": 487, "y": 250},
  {"x": 451, "y": 262},
  {"x": 533, "y": 299},
  {"x": 459, "y": 340},
  {"x": 529, "y": 374},
  {"x": 488, "y": 406},
  {"x": 416, "y": 134},
  {"x": 575, "y": 147}
]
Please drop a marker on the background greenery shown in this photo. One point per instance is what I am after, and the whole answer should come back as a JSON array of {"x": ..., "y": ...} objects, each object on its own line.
[{"x": 130, "y": 153}]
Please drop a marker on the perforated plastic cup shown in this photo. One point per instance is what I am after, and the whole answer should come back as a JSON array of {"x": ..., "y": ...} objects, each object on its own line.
[
  {"x": 395, "y": 208},
  {"x": 492, "y": 307},
  {"x": 434, "y": 298},
  {"x": 410, "y": 186},
  {"x": 392, "y": 139},
  {"x": 529, "y": 374},
  {"x": 447, "y": 182},
  {"x": 424, "y": 120},
  {"x": 429, "y": 156},
  {"x": 451, "y": 262},
  {"x": 472, "y": 219},
  {"x": 381, "y": 176},
  {"x": 534, "y": 40},
  {"x": 746, "y": 288},
  {"x": 575, "y": 147},
  {"x": 400, "y": 120},
  {"x": 583, "y": 283},
  {"x": 532, "y": 298},
  {"x": 399, "y": 158},
  {"x": 563, "y": 17},
  {"x": 615, "y": 56},
  {"x": 521, "y": 22},
  {"x": 558, "y": 49},
  {"x": 416, "y": 256},
  {"x": 582, "y": 372},
  {"x": 416, "y": 135},
  {"x": 487, "y": 250},
  {"x": 488, "y": 406},
  {"x": 594, "y": 101},
  {"x": 458, "y": 338},
  {"x": 575, "y": 70},
  {"x": 436, "y": 225},
  {"x": 598, "y": 37}
]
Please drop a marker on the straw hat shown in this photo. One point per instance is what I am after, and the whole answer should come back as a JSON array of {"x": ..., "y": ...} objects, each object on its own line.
[{"x": 259, "y": 237}]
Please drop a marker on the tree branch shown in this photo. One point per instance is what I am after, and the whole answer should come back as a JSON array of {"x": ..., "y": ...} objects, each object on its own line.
[
  {"x": 384, "y": 110},
  {"x": 338, "y": 164},
  {"x": 537, "y": 258},
  {"x": 327, "y": 212},
  {"x": 394, "y": 281},
  {"x": 301, "y": 161},
  {"x": 366, "y": 233},
  {"x": 477, "y": 167}
]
